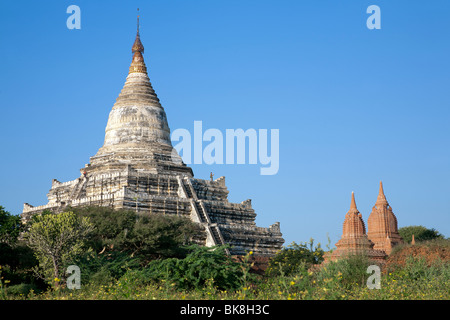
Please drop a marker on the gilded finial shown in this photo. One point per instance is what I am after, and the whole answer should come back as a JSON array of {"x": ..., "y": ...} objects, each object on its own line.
[
  {"x": 138, "y": 21},
  {"x": 137, "y": 65},
  {"x": 137, "y": 46}
]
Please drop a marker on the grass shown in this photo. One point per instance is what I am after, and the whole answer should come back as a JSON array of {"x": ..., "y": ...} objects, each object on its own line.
[{"x": 415, "y": 279}]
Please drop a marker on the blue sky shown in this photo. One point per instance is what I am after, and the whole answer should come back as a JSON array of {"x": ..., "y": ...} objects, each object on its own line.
[{"x": 354, "y": 106}]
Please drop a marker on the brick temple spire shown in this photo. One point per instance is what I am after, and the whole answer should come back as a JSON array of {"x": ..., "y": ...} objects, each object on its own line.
[
  {"x": 354, "y": 238},
  {"x": 381, "y": 199},
  {"x": 353, "y": 203},
  {"x": 353, "y": 224},
  {"x": 382, "y": 224}
]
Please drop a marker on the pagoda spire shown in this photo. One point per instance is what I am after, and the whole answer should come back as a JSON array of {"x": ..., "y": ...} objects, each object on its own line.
[
  {"x": 382, "y": 224},
  {"x": 138, "y": 64},
  {"x": 137, "y": 45},
  {"x": 381, "y": 199},
  {"x": 353, "y": 203},
  {"x": 138, "y": 21},
  {"x": 137, "y": 130},
  {"x": 353, "y": 223}
]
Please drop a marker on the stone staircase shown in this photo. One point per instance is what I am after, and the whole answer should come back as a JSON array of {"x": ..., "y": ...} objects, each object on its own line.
[
  {"x": 202, "y": 213},
  {"x": 76, "y": 192},
  {"x": 214, "y": 228}
]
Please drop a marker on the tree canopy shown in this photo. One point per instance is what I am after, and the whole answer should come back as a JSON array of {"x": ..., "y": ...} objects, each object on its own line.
[
  {"x": 10, "y": 227},
  {"x": 420, "y": 233},
  {"x": 57, "y": 239}
]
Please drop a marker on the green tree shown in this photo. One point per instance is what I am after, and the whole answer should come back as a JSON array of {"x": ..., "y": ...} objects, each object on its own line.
[
  {"x": 16, "y": 259},
  {"x": 420, "y": 233},
  {"x": 10, "y": 227},
  {"x": 56, "y": 240},
  {"x": 147, "y": 236},
  {"x": 123, "y": 239},
  {"x": 162, "y": 236},
  {"x": 111, "y": 226}
]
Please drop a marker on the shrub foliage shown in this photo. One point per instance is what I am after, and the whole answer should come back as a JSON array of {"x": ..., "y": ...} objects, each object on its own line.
[
  {"x": 125, "y": 255},
  {"x": 295, "y": 256},
  {"x": 201, "y": 266}
]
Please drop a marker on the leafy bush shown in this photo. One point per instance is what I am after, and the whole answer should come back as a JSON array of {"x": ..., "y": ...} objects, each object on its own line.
[
  {"x": 105, "y": 268},
  {"x": 22, "y": 289},
  {"x": 201, "y": 265},
  {"x": 418, "y": 269},
  {"x": 347, "y": 271},
  {"x": 295, "y": 256}
]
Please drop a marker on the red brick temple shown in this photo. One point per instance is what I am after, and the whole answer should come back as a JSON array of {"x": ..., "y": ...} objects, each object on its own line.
[
  {"x": 382, "y": 225},
  {"x": 381, "y": 237}
]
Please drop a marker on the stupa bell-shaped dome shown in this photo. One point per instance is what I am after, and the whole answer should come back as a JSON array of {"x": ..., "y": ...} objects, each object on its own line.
[
  {"x": 137, "y": 131},
  {"x": 137, "y": 121}
]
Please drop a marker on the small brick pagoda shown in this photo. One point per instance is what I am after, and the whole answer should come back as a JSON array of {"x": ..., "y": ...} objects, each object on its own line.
[
  {"x": 381, "y": 237},
  {"x": 354, "y": 239},
  {"x": 137, "y": 168},
  {"x": 382, "y": 225}
]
